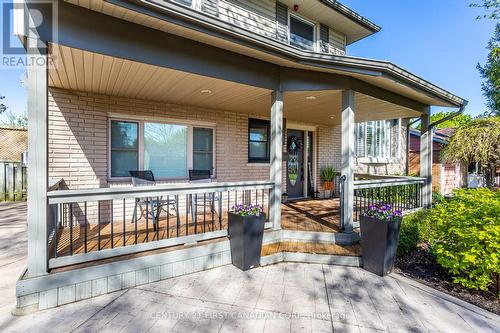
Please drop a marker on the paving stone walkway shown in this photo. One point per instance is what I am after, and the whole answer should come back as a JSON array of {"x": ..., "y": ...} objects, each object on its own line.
[{"x": 287, "y": 297}]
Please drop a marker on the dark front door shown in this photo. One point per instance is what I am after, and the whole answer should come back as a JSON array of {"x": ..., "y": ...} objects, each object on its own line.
[{"x": 295, "y": 164}]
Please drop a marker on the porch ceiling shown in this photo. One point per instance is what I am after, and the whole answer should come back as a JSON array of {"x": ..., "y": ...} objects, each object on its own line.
[{"x": 96, "y": 73}]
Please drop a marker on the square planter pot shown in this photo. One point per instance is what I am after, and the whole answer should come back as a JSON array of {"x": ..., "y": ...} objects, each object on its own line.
[
  {"x": 245, "y": 238},
  {"x": 379, "y": 241}
]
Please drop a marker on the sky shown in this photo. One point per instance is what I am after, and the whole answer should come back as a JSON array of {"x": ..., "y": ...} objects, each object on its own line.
[{"x": 438, "y": 40}]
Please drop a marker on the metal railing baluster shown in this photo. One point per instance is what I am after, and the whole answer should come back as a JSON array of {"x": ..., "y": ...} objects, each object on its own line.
[
  {"x": 98, "y": 225},
  {"x": 111, "y": 221},
  {"x": 71, "y": 229},
  {"x": 124, "y": 226},
  {"x": 86, "y": 226}
]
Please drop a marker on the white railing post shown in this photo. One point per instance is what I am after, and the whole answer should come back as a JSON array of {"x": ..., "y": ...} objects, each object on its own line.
[
  {"x": 426, "y": 159},
  {"x": 276, "y": 158},
  {"x": 348, "y": 158},
  {"x": 37, "y": 155}
]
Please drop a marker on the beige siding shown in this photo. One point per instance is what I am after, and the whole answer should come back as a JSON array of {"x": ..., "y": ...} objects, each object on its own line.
[
  {"x": 256, "y": 16},
  {"x": 337, "y": 42}
]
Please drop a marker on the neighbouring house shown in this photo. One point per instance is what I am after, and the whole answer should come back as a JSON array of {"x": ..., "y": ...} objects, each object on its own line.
[
  {"x": 13, "y": 143},
  {"x": 259, "y": 95},
  {"x": 445, "y": 176}
]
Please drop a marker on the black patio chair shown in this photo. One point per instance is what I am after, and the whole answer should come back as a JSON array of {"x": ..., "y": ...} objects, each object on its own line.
[
  {"x": 158, "y": 204},
  {"x": 202, "y": 176}
]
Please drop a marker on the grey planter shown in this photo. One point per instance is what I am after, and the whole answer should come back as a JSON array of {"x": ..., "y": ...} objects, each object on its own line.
[
  {"x": 245, "y": 237},
  {"x": 379, "y": 240}
]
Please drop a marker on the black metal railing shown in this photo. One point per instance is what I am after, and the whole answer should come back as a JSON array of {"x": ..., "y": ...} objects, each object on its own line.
[
  {"x": 13, "y": 181},
  {"x": 403, "y": 193},
  {"x": 93, "y": 224}
]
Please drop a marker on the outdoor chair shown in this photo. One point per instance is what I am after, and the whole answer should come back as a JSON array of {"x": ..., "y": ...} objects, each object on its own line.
[
  {"x": 156, "y": 205},
  {"x": 196, "y": 177}
]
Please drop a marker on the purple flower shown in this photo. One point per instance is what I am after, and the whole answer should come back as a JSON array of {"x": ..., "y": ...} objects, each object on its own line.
[{"x": 382, "y": 211}]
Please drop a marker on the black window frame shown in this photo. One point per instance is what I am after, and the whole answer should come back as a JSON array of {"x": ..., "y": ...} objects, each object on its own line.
[
  {"x": 261, "y": 122},
  {"x": 111, "y": 149}
]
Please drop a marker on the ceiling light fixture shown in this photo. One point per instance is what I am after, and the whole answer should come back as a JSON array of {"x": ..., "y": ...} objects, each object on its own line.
[
  {"x": 206, "y": 91},
  {"x": 311, "y": 98}
]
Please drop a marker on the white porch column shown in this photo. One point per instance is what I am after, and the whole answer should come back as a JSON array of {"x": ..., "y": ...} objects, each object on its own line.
[
  {"x": 426, "y": 158},
  {"x": 276, "y": 158},
  {"x": 348, "y": 157},
  {"x": 37, "y": 156}
]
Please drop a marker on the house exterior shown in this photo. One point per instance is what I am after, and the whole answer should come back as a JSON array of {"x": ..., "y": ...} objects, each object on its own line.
[
  {"x": 445, "y": 176},
  {"x": 261, "y": 93}
]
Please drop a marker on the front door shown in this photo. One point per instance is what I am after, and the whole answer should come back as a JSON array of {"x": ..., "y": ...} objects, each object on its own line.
[{"x": 295, "y": 164}]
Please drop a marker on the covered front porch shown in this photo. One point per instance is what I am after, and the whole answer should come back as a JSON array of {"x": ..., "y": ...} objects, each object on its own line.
[
  {"x": 96, "y": 214},
  {"x": 94, "y": 116}
]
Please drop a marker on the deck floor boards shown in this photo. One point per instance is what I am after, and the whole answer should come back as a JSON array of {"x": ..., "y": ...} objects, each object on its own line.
[{"x": 304, "y": 215}]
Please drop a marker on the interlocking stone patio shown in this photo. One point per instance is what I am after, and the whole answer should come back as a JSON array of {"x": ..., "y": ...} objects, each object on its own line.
[{"x": 287, "y": 297}]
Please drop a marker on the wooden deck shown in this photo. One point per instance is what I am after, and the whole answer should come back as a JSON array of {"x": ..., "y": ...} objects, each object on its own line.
[{"x": 304, "y": 215}]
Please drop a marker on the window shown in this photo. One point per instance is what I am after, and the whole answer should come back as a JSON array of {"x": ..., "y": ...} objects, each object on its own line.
[
  {"x": 301, "y": 33},
  {"x": 185, "y": 2},
  {"x": 375, "y": 139},
  {"x": 124, "y": 148},
  {"x": 203, "y": 141},
  {"x": 165, "y": 150},
  {"x": 258, "y": 141},
  {"x": 169, "y": 150}
]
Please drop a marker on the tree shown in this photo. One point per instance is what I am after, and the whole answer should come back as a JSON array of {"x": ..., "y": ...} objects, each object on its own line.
[
  {"x": 16, "y": 120},
  {"x": 492, "y": 8},
  {"x": 3, "y": 107},
  {"x": 477, "y": 141},
  {"x": 491, "y": 73},
  {"x": 455, "y": 122}
]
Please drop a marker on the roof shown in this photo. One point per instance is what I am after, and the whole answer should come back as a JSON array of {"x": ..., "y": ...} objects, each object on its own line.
[
  {"x": 13, "y": 143},
  {"x": 441, "y": 135},
  {"x": 352, "y": 15},
  {"x": 378, "y": 72}
]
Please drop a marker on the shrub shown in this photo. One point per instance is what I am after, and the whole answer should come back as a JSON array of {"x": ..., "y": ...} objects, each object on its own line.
[
  {"x": 415, "y": 229},
  {"x": 466, "y": 240}
]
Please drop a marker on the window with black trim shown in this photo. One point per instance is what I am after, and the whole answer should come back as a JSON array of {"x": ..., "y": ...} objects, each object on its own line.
[
  {"x": 124, "y": 147},
  {"x": 301, "y": 33},
  {"x": 258, "y": 141}
]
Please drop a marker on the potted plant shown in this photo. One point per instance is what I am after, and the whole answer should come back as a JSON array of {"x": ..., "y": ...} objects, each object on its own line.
[
  {"x": 380, "y": 225},
  {"x": 327, "y": 175},
  {"x": 246, "y": 229}
]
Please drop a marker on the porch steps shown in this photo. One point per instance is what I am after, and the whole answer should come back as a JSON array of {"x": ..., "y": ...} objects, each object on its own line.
[{"x": 317, "y": 253}]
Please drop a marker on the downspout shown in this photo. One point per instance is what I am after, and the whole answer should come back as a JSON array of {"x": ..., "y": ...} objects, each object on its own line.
[{"x": 451, "y": 116}]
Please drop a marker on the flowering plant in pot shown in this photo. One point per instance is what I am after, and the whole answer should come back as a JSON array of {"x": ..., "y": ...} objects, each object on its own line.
[
  {"x": 327, "y": 175},
  {"x": 380, "y": 225},
  {"x": 246, "y": 230}
]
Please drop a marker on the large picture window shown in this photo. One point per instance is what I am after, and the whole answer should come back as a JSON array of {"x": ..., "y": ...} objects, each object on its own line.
[
  {"x": 165, "y": 150},
  {"x": 301, "y": 33},
  {"x": 169, "y": 150},
  {"x": 377, "y": 139},
  {"x": 258, "y": 141}
]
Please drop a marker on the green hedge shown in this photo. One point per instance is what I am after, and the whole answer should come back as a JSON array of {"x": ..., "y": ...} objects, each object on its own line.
[
  {"x": 464, "y": 235},
  {"x": 415, "y": 229}
]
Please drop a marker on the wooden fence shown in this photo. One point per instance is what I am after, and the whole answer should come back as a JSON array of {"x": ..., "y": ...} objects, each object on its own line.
[{"x": 13, "y": 182}]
